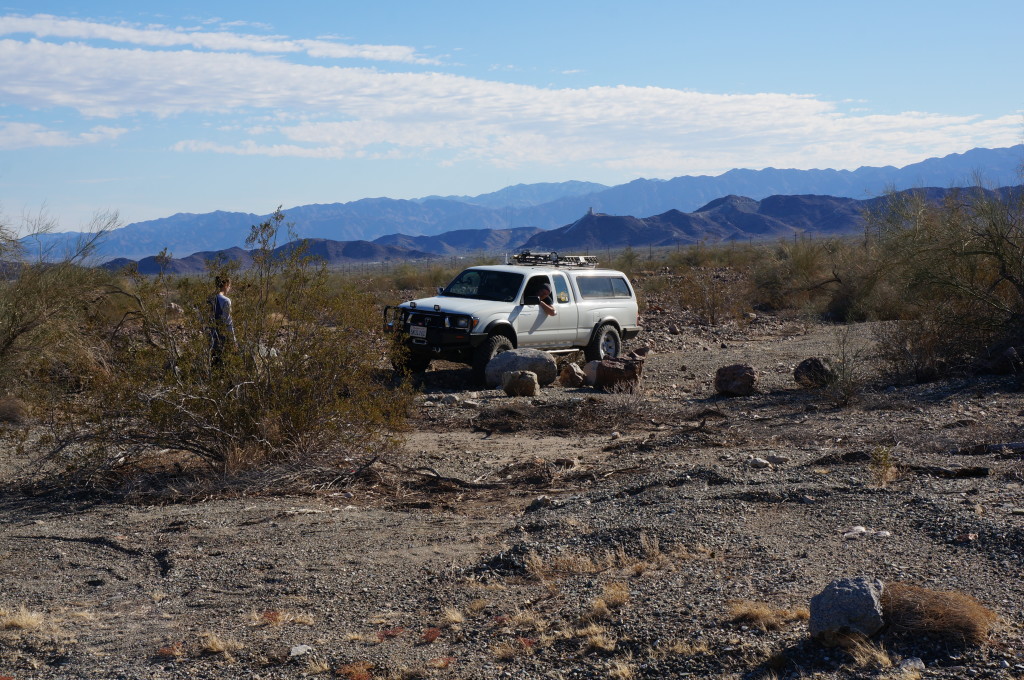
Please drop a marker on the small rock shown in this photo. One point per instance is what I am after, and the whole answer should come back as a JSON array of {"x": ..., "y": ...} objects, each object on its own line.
[
  {"x": 914, "y": 663},
  {"x": 469, "y": 403},
  {"x": 539, "y": 503},
  {"x": 758, "y": 463},
  {"x": 674, "y": 330},
  {"x": 814, "y": 372},
  {"x": 520, "y": 383},
  {"x": 572, "y": 376},
  {"x": 616, "y": 435},
  {"x": 966, "y": 538},
  {"x": 450, "y": 400},
  {"x": 299, "y": 650},
  {"x": 541, "y": 363},
  {"x": 777, "y": 460},
  {"x": 1017, "y": 511},
  {"x": 737, "y": 380}
]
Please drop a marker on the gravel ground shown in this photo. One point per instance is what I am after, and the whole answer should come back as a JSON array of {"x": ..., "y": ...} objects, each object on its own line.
[{"x": 578, "y": 535}]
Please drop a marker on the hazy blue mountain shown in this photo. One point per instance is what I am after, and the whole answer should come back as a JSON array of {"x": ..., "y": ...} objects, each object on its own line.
[
  {"x": 334, "y": 253},
  {"x": 524, "y": 195},
  {"x": 997, "y": 167},
  {"x": 515, "y": 207},
  {"x": 723, "y": 219},
  {"x": 463, "y": 240}
]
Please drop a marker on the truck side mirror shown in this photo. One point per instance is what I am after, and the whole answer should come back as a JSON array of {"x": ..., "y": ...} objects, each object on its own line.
[{"x": 440, "y": 290}]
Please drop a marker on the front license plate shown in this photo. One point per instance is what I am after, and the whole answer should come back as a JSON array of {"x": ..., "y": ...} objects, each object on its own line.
[{"x": 418, "y": 331}]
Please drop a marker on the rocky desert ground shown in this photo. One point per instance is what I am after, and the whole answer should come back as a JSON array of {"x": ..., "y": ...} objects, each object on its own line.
[{"x": 666, "y": 533}]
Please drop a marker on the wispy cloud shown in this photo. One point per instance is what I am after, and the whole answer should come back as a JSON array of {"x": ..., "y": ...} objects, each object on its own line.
[
  {"x": 47, "y": 26},
  {"x": 253, "y": 101},
  {"x": 28, "y": 135}
]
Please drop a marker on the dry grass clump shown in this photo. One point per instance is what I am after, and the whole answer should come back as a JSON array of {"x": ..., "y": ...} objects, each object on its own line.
[
  {"x": 22, "y": 619},
  {"x": 276, "y": 617},
  {"x": 211, "y": 643},
  {"x": 357, "y": 670},
  {"x": 944, "y": 613},
  {"x": 764, "y": 616},
  {"x": 622, "y": 669},
  {"x": 13, "y": 411},
  {"x": 866, "y": 654},
  {"x": 452, "y": 617},
  {"x": 680, "y": 648}
]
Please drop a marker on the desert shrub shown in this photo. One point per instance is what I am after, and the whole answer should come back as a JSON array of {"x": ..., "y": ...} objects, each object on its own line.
[
  {"x": 44, "y": 299},
  {"x": 422, "y": 280},
  {"x": 715, "y": 296},
  {"x": 13, "y": 411},
  {"x": 300, "y": 387},
  {"x": 849, "y": 361},
  {"x": 947, "y": 614},
  {"x": 959, "y": 265}
]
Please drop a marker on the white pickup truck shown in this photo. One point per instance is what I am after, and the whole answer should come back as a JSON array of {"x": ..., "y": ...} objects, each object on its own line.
[{"x": 489, "y": 309}]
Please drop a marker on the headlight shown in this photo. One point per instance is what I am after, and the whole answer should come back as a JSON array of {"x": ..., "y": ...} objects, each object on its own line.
[{"x": 461, "y": 322}]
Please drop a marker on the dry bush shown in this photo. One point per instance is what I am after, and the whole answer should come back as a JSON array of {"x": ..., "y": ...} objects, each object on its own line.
[
  {"x": 303, "y": 396},
  {"x": 45, "y": 298},
  {"x": 883, "y": 465},
  {"x": 764, "y": 616},
  {"x": 714, "y": 296},
  {"x": 958, "y": 263},
  {"x": 13, "y": 411},
  {"x": 947, "y": 614}
]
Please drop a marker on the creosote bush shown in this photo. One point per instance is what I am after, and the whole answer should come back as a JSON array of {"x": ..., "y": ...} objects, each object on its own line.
[{"x": 300, "y": 387}]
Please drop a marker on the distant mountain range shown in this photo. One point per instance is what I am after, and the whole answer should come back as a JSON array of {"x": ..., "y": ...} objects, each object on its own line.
[
  {"x": 546, "y": 206},
  {"x": 728, "y": 218}
]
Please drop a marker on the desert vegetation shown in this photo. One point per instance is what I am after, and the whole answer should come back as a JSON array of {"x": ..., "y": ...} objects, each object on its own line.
[{"x": 301, "y": 511}]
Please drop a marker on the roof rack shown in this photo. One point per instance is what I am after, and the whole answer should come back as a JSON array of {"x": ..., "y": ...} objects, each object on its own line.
[{"x": 555, "y": 260}]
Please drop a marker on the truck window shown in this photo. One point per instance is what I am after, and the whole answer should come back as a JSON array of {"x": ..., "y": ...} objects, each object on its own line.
[
  {"x": 603, "y": 287},
  {"x": 561, "y": 290}
]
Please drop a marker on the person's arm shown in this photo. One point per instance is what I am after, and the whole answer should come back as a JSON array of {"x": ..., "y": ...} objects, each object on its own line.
[
  {"x": 547, "y": 307},
  {"x": 229, "y": 323}
]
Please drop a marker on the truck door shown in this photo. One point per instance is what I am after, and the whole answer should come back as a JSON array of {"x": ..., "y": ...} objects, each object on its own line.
[{"x": 567, "y": 318}]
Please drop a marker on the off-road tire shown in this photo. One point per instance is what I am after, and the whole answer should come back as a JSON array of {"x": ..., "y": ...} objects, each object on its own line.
[
  {"x": 490, "y": 348},
  {"x": 605, "y": 343}
]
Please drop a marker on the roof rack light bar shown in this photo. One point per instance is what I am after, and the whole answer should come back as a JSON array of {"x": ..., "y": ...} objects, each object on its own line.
[{"x": 553, "y": 258}]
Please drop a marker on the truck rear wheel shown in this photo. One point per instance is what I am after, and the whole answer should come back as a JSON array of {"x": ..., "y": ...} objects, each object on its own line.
[{"x": 606, "y": 343}]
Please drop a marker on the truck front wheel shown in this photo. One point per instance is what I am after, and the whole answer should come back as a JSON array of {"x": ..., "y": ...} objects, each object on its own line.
[{"x": 491, "y": 347}]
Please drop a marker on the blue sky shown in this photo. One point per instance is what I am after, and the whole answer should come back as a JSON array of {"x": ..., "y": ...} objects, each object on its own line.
[{"x": 153, "y": 108}]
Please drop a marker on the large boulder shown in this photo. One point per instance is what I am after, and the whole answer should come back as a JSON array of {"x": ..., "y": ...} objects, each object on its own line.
[
  {"x": 814, "y": 372},
  {"x": 849, "y": 605},
  {"x": 737, "y": 380},
  {"x": 520, "y": 384},
  {"x": 524, "y": 359}
]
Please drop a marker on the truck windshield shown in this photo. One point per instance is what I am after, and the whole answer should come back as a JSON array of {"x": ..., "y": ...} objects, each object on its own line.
[{"x": 485, "y": 285}]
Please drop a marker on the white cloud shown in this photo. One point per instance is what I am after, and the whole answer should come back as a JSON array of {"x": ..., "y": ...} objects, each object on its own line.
[
  {"x": 47, "y": 26},
  {"x": 28, "y": 135},
  {"x": 279, "y": 108}
]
